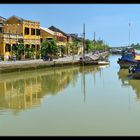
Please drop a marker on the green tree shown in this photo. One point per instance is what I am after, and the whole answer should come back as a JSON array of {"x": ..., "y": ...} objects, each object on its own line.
[
  {"x": 18, "y": 51},
  {"x": 89, "y": 45},
  {"x": 49, "y": 47},
  {"x": 73, "y": 46},
  {"x": 100, "y": 45},
  {"x": 30, "y": 52}
]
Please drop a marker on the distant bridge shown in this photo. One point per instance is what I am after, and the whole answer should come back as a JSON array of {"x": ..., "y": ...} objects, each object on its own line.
[{"x": 118, "y": 48}]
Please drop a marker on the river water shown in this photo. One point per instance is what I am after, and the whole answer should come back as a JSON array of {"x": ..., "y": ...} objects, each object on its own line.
[{"x": 70, "y": 101}]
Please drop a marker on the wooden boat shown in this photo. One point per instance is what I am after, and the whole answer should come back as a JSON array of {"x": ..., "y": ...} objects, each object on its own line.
[
  {"x": 128, "y": 56},
  {"x": 87, "y": 60},
  {"x": 126, "y": 63},
  {"x": 94, "y": 58},
  {"x": 127, "y": 59}
]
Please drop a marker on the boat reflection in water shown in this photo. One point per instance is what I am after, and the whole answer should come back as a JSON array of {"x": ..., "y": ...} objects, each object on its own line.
[
  {"x": 123, "y": 75},
  {"x": 24, "y": 90},
  {"x": 129, "y": 81}
]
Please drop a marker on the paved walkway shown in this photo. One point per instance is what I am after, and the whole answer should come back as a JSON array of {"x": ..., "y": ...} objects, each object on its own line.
[{"x": 67, "y": 58}]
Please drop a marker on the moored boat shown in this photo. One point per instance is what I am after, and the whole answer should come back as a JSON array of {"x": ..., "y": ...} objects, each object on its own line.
[
  {"x": 126, "y": 62},
  {"x": 94, "y": 59},
  {"x": 127, "y": 59},
  {"x": 87, "y": 60}
]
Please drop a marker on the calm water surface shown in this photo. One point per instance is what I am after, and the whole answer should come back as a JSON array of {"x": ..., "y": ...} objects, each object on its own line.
[{"x": 77, "y": 101}]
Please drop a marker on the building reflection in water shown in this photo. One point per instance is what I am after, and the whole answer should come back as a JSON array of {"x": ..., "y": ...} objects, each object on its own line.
[
  {"x": 23, "y": 90},
  {"x": 128, "y": 81}
]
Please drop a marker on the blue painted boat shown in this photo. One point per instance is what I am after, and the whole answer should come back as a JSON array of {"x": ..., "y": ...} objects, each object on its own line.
[{"x": 127, "y": 59}]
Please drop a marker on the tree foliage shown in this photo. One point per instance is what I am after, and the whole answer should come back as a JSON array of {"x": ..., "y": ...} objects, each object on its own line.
[
  {"x": 95, "y": 45},
  {"x": 18, "y": 50},
  {"x": 49, "y": 47},
  {"x": 73, "y": 46},
  {"x": 135, "y": 46}
]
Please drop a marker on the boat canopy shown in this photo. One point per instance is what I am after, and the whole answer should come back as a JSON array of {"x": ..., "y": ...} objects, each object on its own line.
[{"x": 126, "y": 58}]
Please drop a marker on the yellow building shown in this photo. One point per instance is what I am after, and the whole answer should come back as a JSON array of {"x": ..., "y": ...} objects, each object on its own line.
[
  {"x": 45, "y": 34},
  {"x": 62, "y": 39},
  {"x": 18, "y": 30},
  {"x": 2, "y": 20},
  {"x": 60, "y": 36},
  {"x": 79, "y": 49}
]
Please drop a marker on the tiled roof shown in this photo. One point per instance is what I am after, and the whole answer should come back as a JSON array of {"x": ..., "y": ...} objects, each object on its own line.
[
  {"x": 20, "y": 19},
  {"x": 15, "y": 17},
  {"x": 2, "y": 18},
  {"x": 75, "y": 36},
  {"x": 47, "y": 30},
  {"x": 57, "y": 30}
]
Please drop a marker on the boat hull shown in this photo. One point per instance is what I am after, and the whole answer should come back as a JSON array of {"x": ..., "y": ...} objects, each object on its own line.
[
  {"x": 125, "y": 64},
  {"x": 88, "y": 62}
]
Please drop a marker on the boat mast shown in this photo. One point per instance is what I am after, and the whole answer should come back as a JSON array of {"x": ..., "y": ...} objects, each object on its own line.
[{"x": 129, "y": 34}]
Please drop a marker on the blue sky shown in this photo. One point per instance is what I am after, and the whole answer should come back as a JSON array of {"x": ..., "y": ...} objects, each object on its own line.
[{"x": 110, "y": 22}]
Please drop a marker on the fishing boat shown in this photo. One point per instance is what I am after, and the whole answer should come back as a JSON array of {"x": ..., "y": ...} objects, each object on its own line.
[
  {"x": 97, "y": 57},
  {"x": 127, "y": 59},
  {"x": 88, "y": 60},
  {"x": 94, "y": 59},
  {"x": 128, "y": 56}
]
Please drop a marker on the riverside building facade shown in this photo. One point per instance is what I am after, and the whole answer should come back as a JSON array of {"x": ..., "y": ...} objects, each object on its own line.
[{"x": 17, "y": 30}]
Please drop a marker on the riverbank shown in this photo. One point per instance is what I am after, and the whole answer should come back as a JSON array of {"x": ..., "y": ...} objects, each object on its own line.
[{"x": 17, "y": 66}]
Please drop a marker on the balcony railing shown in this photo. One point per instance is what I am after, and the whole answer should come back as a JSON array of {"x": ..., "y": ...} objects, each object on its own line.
[
  {"x": 7, "y": 37},
  {"x": 12, "y": 36}
]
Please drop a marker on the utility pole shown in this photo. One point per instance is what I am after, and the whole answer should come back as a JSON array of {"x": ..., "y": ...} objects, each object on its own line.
[
  {"x": 83, "y": 40},
  {"x": 94, "y": 42}
]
